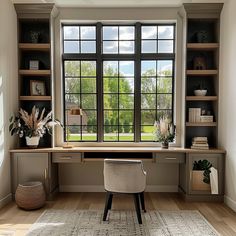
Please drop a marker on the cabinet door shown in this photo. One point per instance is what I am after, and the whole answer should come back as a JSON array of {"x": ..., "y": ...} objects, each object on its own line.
[{"x": 30, "y": 167}]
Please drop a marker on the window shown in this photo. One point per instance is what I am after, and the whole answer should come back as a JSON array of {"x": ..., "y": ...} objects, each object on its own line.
[{"x": 122, "y": 76}]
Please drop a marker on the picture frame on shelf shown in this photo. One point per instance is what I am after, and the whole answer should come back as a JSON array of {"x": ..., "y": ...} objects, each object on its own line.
[
  {"x": 34, "y": 65},
  {"x": 37, "y": 88}
]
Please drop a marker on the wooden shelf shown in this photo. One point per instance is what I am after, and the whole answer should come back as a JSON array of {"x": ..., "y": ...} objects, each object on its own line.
[
  {"x": 201, "y": 124},
  {"x": 35, "y": 72},
  {"x": 201, "y": 98},
  {"x": 35, "y": 98},
  {"x": 34, "y": 46},
  {"x": 202, "y": 72},
  {"x": 203, "y": 46}
]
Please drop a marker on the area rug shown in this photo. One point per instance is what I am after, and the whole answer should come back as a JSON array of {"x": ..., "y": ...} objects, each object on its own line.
[{"x": 121, "y": 223}]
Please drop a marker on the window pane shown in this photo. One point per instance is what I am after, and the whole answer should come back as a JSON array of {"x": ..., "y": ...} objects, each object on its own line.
[
  {"x": 89, "y": 133},
  {"x": 147, "y": 133},
  {"x": 71, "y": 47},
  {"x": 72, "y": 100},
  {"x": 73, "y": 120},
  {"x": 126, "y": 101},
  {"x": 72, "y": 85},
  {"x": 148, "y": 68},
  {"x": 149, "y": 32},
  {"x": 126, "y": 68},
  {"x": 88, "y": 32},
  {"x": 164, "y": 67},
  {"x": 164, "y": 85},
  {"x": 126, "y": 85},
  {"x": 126, "y": 32},
  {"x": 71, "y": 32},
  {"x": 110, "y": 101},
  {"x": 89, "y": 101},
  {"x": 88, "y": 47},
  {"x": 164, "y": 101},
  {"x": 88, "y": 68},
  {"x": 126, "y": 133},
  {"x": 126, "y": 118},
  {"x": 110, "y": 47},
  {"x": 74, "y": 133},
  {"x": 72, "y": 68},
  {"x": 148, "y": 117},
  {"x": 111, "y": 133},
  {"x": 110, "y": 85},
  {"x": 166, "y": 113},
  {"x": 148, "y": 85},
  {"x": 165, "y": 32},
  {"x": 89, "y": 117},
  {"x": 111, "y": 118},
  {"x": 88, "y": 85},
  {"x": 149, "y": 46},
  {"x": 148, "y": 101},
  {"x": 110, "y": 33},
  {"x": 110, "y": 68},
  {"x": 165, "y": 46},
  {"x": 126, "y": 47}
]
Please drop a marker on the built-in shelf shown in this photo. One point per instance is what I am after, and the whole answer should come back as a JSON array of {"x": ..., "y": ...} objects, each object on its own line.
[
  {"x": 35, "y": 98},
  {"x": 201, "y": 124},
  {"x": 34, "y": 46},
  {"x": 201, "y": 98},
  {"x": 202, "y": 72},
  {"x": 35, "y": 72},
  {"x": 202, "y": 46}
]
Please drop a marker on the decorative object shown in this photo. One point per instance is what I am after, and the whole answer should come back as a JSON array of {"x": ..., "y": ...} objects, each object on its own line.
[
  {"x": 200, "y": 92},
  {"x": 89, "y": 222},
  {"x": 199, "y": 63},
  {"x": 37, "y": 88},
  {"x": 72, "y": 111},
  {"x": 34, "y": 36},
  {"x": 32, "y": 142},
  {"x": 201, "y": 175},
  {"x": 33, "y": 125},
  {"x": 202, "y": 36},
  {"x": 30, "y": 195},
  {"x": 33, "y": 64},
  {"x": 164, "y": 132}
]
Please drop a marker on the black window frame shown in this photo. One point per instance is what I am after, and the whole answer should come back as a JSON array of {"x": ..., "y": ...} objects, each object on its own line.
[{"x": 137, "y": 57}]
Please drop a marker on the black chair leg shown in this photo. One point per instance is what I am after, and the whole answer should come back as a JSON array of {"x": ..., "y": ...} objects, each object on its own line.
[
  {"x": 107, "y": 205},
  {"x": 137, "y": 207},
  {"x": 142, "y": 201},
  {"x": 110, "y": 201}
]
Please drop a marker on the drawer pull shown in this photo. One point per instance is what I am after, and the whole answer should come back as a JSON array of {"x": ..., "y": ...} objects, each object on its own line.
[
  {"x": 66, "y": 158},
  {"x": 171, "y": 158}
]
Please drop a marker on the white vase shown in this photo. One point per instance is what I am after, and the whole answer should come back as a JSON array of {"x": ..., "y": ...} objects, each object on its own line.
[{"x": 32, "y": 142}]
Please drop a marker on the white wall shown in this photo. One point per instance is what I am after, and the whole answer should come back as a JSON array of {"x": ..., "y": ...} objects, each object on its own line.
[
  {"x": 227, "y": 111},
  {"x": 8, "y": 91}
]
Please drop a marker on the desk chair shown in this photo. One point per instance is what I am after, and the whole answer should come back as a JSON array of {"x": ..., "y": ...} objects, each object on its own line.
[{"x": 124, "y": 176}]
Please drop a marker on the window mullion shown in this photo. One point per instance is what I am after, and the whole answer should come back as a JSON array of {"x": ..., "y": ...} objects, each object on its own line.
[{"x": 137, "y": 84}]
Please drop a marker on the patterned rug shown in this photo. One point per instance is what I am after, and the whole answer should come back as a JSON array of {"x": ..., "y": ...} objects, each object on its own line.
[{"x": 121, "y": 223}]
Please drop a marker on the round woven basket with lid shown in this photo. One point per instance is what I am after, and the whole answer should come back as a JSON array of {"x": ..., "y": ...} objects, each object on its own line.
[{"x": 30, "y": 195}]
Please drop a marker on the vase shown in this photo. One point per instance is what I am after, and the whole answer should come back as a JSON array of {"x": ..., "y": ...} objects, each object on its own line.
[
  {"x": 32, "y": 142},
  {"x": 165, "y": 144}
]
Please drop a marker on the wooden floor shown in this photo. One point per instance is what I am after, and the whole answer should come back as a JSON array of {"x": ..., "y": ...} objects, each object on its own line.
[{"x": 13, "y": 219}]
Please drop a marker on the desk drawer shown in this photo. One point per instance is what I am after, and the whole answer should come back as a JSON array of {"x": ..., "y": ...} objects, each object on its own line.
[
  {"x": 169, "y": 157},
  {"x": 67, "y": 157}
]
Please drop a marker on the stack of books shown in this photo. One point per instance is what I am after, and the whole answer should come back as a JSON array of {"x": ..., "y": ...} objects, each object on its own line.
[
  {"x": 200, "y": 143},
  {"x": 195, "y": 116}
]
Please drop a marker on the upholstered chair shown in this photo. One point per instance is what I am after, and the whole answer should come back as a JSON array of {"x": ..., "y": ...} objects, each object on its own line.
[{"x": 124, "y": 176}]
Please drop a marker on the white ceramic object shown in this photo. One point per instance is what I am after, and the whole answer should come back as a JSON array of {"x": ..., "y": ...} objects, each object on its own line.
[
  {"x": 32, "y": 142},
  {"x": 200, "y": 92}
]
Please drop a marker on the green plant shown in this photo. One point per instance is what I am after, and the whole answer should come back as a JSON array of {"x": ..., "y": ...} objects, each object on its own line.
[{"x": 204, "y": 165}]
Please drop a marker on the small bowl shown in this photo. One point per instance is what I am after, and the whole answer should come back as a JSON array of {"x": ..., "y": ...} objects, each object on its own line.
[{"x": 200, "y": 92}]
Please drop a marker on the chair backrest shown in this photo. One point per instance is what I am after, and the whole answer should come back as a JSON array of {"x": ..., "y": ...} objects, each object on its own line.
[{"x": 124, "y": 176}]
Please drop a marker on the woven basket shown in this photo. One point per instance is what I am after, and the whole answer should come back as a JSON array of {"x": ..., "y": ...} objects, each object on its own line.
[{"x": 30, "y": 195}]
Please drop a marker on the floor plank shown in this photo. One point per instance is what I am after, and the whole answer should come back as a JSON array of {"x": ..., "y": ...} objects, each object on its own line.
[{"x": 13, "y": 219}]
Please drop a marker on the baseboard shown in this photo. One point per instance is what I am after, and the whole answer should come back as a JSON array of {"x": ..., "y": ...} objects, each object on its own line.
[
  {"x": 4, "y": 201},
  {"x": 100, "y": 188},
  {"x": 230, "y": 203}
]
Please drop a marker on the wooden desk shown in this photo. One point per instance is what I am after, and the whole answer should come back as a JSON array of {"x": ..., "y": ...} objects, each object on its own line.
[{"x": 42, "y": 164}]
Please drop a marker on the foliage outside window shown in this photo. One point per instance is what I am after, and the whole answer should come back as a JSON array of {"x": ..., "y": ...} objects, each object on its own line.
[{"x": 121, "y": 76}]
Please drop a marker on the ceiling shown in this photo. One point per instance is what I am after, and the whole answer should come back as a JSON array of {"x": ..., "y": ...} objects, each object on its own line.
[{"x": 117, "y": 3}]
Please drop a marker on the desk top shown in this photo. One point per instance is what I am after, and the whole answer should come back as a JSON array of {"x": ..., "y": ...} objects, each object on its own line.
[{"x": 116, "y": 149}]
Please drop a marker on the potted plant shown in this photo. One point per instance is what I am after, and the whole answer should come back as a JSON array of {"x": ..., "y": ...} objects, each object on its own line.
[
  {"x": 32, "y": 126},
  {"x": 164, "y": 132},
  {"x": 201, "y": 175}
]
